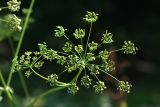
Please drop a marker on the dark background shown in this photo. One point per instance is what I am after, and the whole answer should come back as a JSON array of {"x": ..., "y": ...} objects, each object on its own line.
[{"x": 134, "y": 20}]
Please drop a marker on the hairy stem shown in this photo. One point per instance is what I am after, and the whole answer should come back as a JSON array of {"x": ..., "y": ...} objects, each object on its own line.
[{"x": 21, "y": 39}]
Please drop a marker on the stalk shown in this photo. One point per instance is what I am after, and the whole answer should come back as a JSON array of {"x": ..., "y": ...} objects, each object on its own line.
[
  {"x": 21, "y": 39},
  {"x": 90, "y": 30}
]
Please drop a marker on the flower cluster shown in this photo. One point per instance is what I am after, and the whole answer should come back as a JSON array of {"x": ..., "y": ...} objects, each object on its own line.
[
  {"x": 79, "y": 33},
  {"x": 13, "y": 22},
  {"x": 107, "y": 38},
  {"x": 14, "y": 5},
  {"x": 26, "y": 62},
  {"x": 129, "y": 48},
  {"x": 53, "y": 79},
  {"x": 73, "y": 88},
  {"x": 11, "y": 19},
  {"x": 99, "y": 87},
  {"x": 75, "y": 58},
  {"x": 124, "y": 86},
  {"x": 91, "y": 17},
  {"x": 86, "y": 81},
  {"x": 60, "y": 31}
]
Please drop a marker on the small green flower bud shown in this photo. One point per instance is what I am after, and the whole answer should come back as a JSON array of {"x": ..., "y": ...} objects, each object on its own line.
[
  {"x": 42, "y": 47},
  {"x": 94, "y": 69},
  {"x": 124, "y": 86},
  {"x": 28, "y": 74},
  {"x": 90, "y": 57},
  {"x": 73, "y": 88},
  {"x": 104, "y": 55},
  {"x": 53, "y": 78},
  {"x": 38, "y": 64},
  {"x": 109, "y": 66},
  {"x": 92, "y": 46},
  {"x": 73, "y": 59},
  {"x": 91, "y": 17},
  {"x": 99, "y": 87},
  {"x": 79, "y": 33},
  {"x": 129, "y": 48},
  {"x": 107, "y": 38},
  {"x": 86, "y": 81},
  {"x": 79, "y": 49},
  {"x": 67, "y": 47},
  {"x": 16, "y": 66},
  {"x": 60, "y": 31},
  {"x": 81, "y": 64},
  {"x": 71, "y": 68},
  {"x": 61, "y": 60},
  {"x": 48, "y": 54},
  {"x": 14, "y": 5}
]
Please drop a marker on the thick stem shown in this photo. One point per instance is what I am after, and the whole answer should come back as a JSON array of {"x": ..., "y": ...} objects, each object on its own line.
[
  {"x": 76, "y": 77},
  {"x": 21, "y": 38},
  {"x": 46, "y": 93},
  {"x": 6, "y": 90}
]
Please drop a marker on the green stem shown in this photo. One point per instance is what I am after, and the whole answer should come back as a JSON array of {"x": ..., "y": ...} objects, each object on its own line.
[
  {"x": 109, "y": 75},
  {"x": 76, "y": 77},
  {"x": 99, "y": 44},
  {"x": 21, "y": 38},
  {"x": 46, "y": 93},
  {"x": 36, "y": 60},
  {"x": 3, "y": 8},
  {"x": 62, "y": 72},
  {"x": 4, "y": 20},
  {"x": 88, "y": 38},
  {"x": 63, "y": 53},
  {"x": 54, "y": 89},
  {"x": 24, "y": 85},
  {"x": 11, "y": 45},
  {"x": 6, "y": 90},
  {"x": 68, "y": 40},
  {"x": 20, "y": 74},
  {"x": 72, "y": 44},
  {"x": 39, "y": 74},
  {"x": 116, "y": 50}
]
